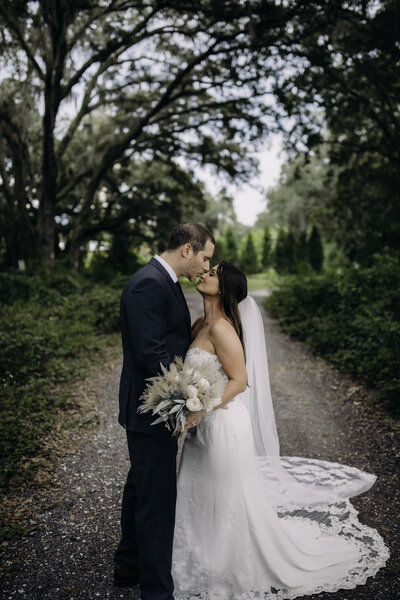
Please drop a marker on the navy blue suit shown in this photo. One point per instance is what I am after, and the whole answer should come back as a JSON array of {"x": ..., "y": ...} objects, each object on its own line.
[{"x": 155, "y": 327}]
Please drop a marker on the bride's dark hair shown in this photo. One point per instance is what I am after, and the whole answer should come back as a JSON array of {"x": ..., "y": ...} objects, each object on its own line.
[{"x": 233, "y": 288}]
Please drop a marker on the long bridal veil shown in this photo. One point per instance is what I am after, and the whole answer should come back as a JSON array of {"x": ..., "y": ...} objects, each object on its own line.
[
  {"x": 288, "y": 481},
  {"x": 304, "y": 488}
]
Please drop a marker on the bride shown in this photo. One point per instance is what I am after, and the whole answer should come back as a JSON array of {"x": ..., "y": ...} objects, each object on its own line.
[{"x": 249, "y": 523}]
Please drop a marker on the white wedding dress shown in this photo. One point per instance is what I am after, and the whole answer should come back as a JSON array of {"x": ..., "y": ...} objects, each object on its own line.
[{"x": 258, "y": 526}]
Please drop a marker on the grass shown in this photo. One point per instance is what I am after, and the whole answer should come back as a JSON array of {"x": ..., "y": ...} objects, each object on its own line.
[{"x": 263, "y": 281}]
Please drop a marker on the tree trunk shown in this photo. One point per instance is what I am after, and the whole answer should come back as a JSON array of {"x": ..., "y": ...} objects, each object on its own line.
[
  {"x": 55, "y": 60},
  {"x": 46, "y": 220},
  {"x": 46, "y": 230},
  {"x": 75, "y": 252}
]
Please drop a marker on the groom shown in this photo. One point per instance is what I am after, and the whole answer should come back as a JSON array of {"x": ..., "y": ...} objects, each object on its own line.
[{"x": 155, "y": 326}]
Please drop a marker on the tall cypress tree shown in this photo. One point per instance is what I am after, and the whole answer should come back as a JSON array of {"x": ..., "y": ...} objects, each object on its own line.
[
  {"x": 289, "y": 252},
  {"x": 315, "y": 250},
  {"x": 284, "y": 261},
  {"x": 249, "y": 258},
  {"x": 231, "y": 246},
  {"x": 301, "y": 248},
  {"x": 266, "y": 247},
  {"x": 219, "y": 251},
  {"x": 279, "y": 251}
]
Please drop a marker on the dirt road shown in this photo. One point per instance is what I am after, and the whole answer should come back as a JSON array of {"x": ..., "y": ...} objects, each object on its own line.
[{"x": 319, "y": 413}]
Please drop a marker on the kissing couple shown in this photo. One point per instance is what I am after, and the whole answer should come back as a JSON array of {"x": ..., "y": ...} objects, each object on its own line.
[{"x": 240, "y": 521}]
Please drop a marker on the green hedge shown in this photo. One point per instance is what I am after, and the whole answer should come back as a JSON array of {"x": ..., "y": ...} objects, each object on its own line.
[
  {"x": 52, "y": 326},
  {"x": 353, "y": 319}
]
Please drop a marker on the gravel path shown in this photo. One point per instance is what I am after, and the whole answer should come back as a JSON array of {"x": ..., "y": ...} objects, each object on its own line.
[{"x": 320, "y": 413}]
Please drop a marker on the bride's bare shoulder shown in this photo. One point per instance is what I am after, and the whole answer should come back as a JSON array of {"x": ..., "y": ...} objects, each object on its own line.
[
  {"x": 226, "y": 342},
  {"x": 221, "y": 327}
]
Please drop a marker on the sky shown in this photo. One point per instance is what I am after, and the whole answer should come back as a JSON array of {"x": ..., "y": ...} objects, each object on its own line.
[{"x": 250, "y": 200}]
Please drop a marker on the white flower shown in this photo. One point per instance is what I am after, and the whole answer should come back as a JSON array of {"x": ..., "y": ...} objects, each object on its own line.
[
  {"x": 204, "y": 384},
  {"x": 193, "y": 404},
  {"x": 193, "y": 391}
]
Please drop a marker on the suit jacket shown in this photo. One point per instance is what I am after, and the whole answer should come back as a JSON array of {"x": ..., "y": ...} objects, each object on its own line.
[{"x": 155, "y": 327}]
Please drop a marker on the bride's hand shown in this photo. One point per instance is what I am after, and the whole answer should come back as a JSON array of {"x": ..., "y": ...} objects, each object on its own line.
[
  {"x": 224, "y": 406},
  {"x": 193, "y": 420}
]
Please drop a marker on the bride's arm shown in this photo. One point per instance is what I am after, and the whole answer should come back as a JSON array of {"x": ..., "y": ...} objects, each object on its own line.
[{"x": 231, "y": 356}]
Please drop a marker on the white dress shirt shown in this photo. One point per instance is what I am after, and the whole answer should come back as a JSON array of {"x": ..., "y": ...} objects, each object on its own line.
[{"x": 168, "y": 268}]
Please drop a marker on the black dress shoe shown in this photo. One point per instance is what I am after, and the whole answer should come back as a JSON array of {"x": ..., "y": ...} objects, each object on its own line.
[{"x": 124, "y": 579}]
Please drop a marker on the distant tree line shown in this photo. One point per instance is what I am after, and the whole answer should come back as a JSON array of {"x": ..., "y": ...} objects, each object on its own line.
[{"x": 289, "y": 253}]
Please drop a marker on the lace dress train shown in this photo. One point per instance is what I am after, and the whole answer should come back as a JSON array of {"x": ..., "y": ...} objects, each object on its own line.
[{"x": 232, "y": 543}]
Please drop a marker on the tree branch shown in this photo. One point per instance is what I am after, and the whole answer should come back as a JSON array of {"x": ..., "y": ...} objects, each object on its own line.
[
  {"x": 84, "y": 109},
  {"x": 4, "y": 177},
  {"x": 127, "y": 41},
  {"x": 18, "y": 35}
]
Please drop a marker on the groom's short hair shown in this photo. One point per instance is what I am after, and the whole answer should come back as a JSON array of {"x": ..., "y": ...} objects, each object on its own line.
[{"x": 189, "y": 232}]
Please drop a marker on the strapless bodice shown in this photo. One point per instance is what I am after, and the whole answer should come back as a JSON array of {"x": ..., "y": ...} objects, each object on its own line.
[{"x": 198, "y": 355}]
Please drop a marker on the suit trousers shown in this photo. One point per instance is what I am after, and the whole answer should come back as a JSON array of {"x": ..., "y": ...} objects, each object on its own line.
[{"x": 148, "y": 513}]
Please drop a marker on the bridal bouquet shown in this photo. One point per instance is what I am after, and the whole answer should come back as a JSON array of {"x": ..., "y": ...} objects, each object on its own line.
[{"x": 182, "y": 389}]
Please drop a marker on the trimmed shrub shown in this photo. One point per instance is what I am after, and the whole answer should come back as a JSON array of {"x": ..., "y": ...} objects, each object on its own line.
[
  {"x": 50, "y": 332},
  {"x": 352, "y": 319},
  {"x": 266, "y": 247}
]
